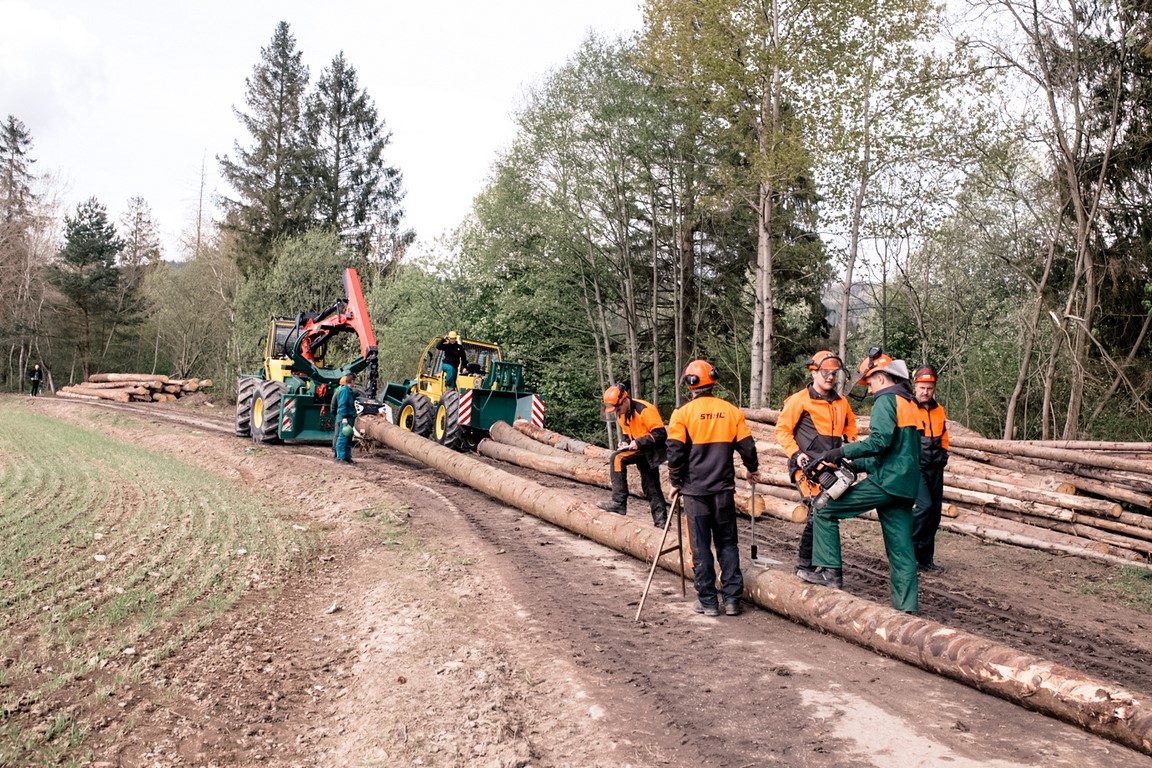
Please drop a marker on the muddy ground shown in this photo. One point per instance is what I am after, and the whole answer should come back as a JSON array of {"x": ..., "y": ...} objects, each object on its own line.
[{"x": 438, "y": 627}]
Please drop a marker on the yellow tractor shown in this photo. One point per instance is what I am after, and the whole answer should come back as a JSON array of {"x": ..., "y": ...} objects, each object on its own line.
[{"x": 487, "y": 390}]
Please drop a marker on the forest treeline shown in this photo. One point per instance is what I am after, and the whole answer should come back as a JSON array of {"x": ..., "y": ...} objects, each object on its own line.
[{"x": 746, "y": 182}]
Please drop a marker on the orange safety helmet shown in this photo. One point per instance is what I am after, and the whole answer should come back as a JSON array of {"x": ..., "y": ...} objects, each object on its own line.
[
  {"x": 613, "y": 398},
  {"x": 700, "y": 373},
  {"x": 875, "y": 361},
  {"x": 925, "y": 374},
  {"x": 824, "y": 360}
]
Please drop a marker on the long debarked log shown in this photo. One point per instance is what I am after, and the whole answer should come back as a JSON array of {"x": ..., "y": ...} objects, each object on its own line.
[
  {"x": 557, "y": 440},
  {"x": 1100, "y": 707},
  {"x": 134, "y": 377}
]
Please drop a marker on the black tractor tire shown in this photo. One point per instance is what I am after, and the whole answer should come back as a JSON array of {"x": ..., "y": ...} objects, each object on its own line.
[
  {"x": 446, "y": 428},
  {"x": 245, "y": 388},
  {"x": 415, "y": 415},
  {"x": 266, "y": 404}
]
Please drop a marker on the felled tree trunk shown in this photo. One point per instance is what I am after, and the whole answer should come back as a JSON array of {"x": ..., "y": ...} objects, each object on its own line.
[
  {"x": 134, "y": 377},
  {"x": 1036, "y": 683}
]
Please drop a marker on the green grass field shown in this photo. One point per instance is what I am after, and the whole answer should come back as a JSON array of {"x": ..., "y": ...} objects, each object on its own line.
[{"x": 105, "y": 547}]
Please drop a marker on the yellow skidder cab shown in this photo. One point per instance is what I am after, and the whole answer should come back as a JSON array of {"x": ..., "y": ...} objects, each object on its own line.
[
  {"x": 700, "y": 373},
  {"x": 825, "y": 362},
  {"x": 925, "y": 374},
  {"x": 614, "y": 397}
]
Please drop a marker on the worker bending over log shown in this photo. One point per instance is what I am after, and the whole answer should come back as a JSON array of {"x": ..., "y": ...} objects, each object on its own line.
[{"x": 643, "y": 441}]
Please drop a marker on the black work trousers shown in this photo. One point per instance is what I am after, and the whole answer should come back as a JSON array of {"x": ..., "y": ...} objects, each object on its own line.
[
  {"x": 712, "y": 521},
  {"x": 926, "y": 514},
  {"x": 649, "y": 482}
]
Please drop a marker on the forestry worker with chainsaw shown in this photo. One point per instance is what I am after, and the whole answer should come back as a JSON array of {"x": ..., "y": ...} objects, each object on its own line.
[
  {"x": 814, "y": 420},
  {"x": 891, "y": 457}
]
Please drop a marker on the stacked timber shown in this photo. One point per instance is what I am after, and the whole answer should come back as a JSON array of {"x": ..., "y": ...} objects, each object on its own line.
[
  {"x": 134, "y": 387},
  {"x": 1088, "y": 498}
]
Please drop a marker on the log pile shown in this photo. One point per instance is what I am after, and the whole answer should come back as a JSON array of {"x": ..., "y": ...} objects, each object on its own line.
[
  {"x": 1087, "y": 498},
  {"x": 134, "y": 388}
]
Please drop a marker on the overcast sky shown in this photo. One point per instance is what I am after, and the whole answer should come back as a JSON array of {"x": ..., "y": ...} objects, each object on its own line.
[{"x": 135, "y": 97}]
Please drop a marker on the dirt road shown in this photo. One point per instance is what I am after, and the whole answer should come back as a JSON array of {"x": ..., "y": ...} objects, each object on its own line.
[{"x": 441, "y": 628}]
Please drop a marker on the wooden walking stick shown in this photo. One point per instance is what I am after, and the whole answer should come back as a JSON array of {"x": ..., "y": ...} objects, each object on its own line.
[{"x": 674, "y": 513}]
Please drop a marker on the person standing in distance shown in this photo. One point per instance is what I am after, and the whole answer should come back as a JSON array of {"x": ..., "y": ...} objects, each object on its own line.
[
  {"x": 703, "y": 434},
  {"x": 345, "y": 399},
  {"x": 646, "y": 437},
  {"x": 36, "y": 377},
  {"x": 933, "y": 459},
  {"x": 455, "y": 357},
  {"x": 891, "y": 457},
  {"x": 814, "y": 420}
]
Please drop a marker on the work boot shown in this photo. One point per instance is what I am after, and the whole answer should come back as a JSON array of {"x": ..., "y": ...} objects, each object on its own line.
[
  {"x": 733, "y": 608},
  {"x": 929, "y": 568},
  {"x": 660, "y": 518},
  {"x": 803, "y": 567},
  {"x": 707, "y": 610},
  {"x": 826, "y": 577},
  {"x": 608, "y": 505}
]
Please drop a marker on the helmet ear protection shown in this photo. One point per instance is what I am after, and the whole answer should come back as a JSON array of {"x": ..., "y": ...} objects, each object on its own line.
[
  {"x": 821, "y": 360},
  {"x": 616, "y": 394},
  {"x": 699, "y": 374}
]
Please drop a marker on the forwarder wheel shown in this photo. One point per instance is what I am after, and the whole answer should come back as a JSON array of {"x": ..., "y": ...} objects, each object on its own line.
[
  {"x": 266, "y": 412},
  {"x": 245, "y": 387},
  {"x": 415, "y": 415},
  {"x": 447, "y": 429}
]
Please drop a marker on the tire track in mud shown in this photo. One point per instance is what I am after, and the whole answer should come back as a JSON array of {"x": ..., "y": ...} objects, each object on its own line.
[{"x": 675, "y": 670}]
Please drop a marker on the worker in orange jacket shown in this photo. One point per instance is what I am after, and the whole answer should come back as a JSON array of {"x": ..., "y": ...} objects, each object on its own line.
[
  {"x": 814, "y": 420},
  {"x": 933, "y": 459},
  {"x": 703, "y": 435},
  {"x": 643, "y": 439}
]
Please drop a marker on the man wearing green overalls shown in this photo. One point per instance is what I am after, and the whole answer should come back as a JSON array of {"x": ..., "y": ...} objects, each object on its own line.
[{"x": 891, "y": 457}]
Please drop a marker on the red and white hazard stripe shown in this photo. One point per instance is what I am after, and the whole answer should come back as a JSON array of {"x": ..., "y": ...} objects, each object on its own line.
[
  {"x": 537, "y": 411},
  {"x": 466, "y": 407}
]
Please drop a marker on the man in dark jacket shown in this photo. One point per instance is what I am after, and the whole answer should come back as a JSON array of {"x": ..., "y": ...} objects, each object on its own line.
[
  {"x": 36, "y": 377},
  {"x": 933, "y": 459},
  {"x": 643, "y": 441},
  {"x": 703, "y": 435},
  {"x": 891, "y": 457},
  {"x": 455, "y": 358}
]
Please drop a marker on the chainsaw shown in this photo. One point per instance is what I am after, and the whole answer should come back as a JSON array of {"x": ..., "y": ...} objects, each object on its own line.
[{"x": 832, "y": 479}]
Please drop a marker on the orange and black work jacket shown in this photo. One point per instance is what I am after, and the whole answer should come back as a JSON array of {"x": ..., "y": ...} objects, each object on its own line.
[
  {"x": 643, "y": 424},
  {"x": 933, "y": 436},
  {"x": 891, "y": 452},
  {"x": 812, "y": 422},
  {"x": 702, "y": 436}
]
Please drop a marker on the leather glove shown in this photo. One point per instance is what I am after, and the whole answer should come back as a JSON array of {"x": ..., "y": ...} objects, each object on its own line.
[{"x": 833, "y": 456}]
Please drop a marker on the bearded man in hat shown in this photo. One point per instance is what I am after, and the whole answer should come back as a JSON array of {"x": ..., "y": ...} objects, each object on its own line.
[{"x": 891, "y": 457}]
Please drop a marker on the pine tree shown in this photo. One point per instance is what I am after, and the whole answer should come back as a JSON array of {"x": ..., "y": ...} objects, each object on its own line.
[
  {"x": 16, "y": 195},
  {"x": 86, "y": 275},
  {"x": 272, "y": 198},
  {"x": 357, "y": 194}
]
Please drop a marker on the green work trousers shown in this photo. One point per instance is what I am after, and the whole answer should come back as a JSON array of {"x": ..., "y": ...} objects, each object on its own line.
[{"x": 896, "y": 524}]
